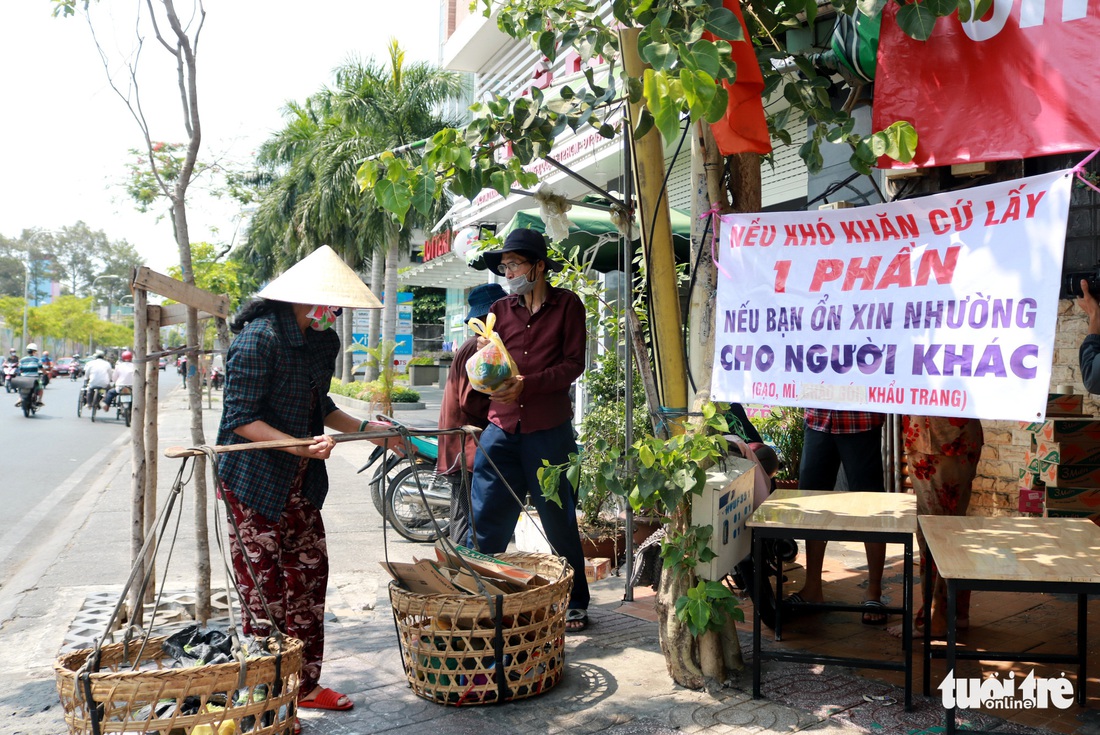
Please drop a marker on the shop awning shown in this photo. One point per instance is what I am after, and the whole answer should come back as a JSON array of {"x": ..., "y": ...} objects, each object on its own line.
[
  {"x": 447, "y": 271},
  {"x": 597, "y": 237}
]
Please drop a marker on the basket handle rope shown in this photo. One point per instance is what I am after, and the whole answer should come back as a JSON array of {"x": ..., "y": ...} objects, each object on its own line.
[{"x": 91, "y": 665}]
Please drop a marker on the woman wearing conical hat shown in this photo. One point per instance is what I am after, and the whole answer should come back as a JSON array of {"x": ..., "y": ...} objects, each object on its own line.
[{"x": 278, "y": 371}]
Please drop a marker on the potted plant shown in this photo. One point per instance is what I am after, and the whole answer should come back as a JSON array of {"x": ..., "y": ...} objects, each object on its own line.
[
  {"x": 783, "y": 427},
  {"x": 423, "y": 370}
]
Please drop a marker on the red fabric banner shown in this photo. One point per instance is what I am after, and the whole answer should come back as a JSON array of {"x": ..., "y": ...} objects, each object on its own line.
[
  {"x": 1020, "y": 82},
  {"x": 744, "y": 129}
]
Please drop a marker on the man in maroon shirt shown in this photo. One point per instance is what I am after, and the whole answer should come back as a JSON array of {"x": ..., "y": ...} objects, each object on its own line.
[
  {"x": 852, "y": 440},
  {"x": 531, "y": 414},
  {"x": 463, "y": 406}
]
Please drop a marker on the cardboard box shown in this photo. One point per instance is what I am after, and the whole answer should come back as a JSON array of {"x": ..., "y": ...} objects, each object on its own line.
[
  {"x": 597, "y": 568},
  {"x": 422, "y": 577},
  {"x": 1072, "y": 453},
  {"x": 1094, "y": 517},
  {"x": 1065, "y": 403},
  {"x": 1031, "y": 500},
  {"x": 1069, "y": 433},
  {"x": 725, "y": 505},
  {"x": 1044, "y": 472},
  {"x": 1082, "y": 499},
  {"x": 1029, "y": 480}
]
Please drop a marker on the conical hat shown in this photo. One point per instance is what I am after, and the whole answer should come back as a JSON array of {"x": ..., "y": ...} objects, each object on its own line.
[{"x": 322, "y": 278}]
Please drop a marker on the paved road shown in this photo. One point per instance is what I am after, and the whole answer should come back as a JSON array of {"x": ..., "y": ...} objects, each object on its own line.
[{"x": 46, "y": 462}]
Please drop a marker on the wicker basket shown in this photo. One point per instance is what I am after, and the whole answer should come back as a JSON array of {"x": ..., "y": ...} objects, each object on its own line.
[
  {"x": 154, "y": 698},
  {"x": 464, "y": 650}
]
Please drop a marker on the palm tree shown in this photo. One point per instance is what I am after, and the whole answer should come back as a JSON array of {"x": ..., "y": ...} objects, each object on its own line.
[{"x": 315, "y": 199}]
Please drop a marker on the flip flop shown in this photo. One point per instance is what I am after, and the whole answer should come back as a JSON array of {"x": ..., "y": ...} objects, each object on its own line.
[
  {"x": 326, "y": 699},
  {"x": 872, "y": 614},
  {"x": 576, "y": 618}
]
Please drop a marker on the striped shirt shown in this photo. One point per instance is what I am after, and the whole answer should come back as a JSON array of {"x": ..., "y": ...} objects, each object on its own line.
[{"x": 842, "y": 422}]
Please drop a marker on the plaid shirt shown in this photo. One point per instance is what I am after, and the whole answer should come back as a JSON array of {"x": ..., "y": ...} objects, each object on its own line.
[
  {"x": 271, "y": 371},
  {"x": 842, "y": 422}
]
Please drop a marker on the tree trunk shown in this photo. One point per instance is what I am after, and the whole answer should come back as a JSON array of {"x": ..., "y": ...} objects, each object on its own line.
[
  {"x": 346, "y": 341},
  {"x": 138, "y": 493},
  {"x": 377, "y": 286},
  {"x": 389, "y": 309},
  {"x": 677, "y": 643}
]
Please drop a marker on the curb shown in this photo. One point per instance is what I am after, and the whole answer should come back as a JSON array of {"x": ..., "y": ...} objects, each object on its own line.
[{"x": 367, "y": 408}]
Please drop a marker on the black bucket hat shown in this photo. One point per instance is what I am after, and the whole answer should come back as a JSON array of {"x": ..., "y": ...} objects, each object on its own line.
[
  {"x": 530, "y": 242},
  {"x": 481, "y": 298}
]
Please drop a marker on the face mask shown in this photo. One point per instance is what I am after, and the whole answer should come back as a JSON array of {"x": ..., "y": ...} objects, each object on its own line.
[
  {"x": 520, "y": 285},
  {"x": 321, "y": 318}
]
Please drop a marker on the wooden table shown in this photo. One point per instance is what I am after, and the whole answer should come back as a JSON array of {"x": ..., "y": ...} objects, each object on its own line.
[
  {"x": 1051, "y": 555},
  {"x": 873, "y": 517}
]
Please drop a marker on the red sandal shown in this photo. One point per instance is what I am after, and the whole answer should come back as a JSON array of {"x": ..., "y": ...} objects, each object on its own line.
[{"x": 326, "y": 699}]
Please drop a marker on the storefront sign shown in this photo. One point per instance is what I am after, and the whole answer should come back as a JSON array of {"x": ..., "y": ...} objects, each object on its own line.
[{"x": 941, "y": 306}]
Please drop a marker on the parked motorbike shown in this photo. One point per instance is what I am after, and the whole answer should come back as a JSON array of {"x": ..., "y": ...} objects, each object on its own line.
[
  {"x": 27, "y": 386},
  {"x": 409, "y": 492},
  {"x": 10, "y": 370}
]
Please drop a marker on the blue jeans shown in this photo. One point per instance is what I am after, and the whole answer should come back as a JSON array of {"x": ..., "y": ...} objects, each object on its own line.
[{"x": 495, "y": 511}]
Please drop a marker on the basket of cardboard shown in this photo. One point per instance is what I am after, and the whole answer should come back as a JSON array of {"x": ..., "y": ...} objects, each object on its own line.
[{"x": 476, "y": 629}]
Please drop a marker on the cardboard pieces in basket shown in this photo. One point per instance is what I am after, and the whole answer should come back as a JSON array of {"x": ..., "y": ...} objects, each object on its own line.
[
  {"x": 422, "y": 577},
  {"x": 486, "y": 565}
]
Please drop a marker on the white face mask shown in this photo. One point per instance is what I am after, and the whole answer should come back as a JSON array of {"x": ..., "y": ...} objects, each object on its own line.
[{"x": 520, "y": 285}]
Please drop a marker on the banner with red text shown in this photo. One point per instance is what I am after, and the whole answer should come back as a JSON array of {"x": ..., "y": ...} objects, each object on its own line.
[
  {"x": 1019, "y": 82},
  {"x": 940, "y": 306}
]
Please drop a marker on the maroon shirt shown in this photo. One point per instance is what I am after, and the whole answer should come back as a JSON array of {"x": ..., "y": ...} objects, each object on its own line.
[
  {"x": 548, "y": 348},
  {"x": 461, "y": 406}
]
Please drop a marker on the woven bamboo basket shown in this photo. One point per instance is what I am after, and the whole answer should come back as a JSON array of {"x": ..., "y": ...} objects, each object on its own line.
[
  {"x": 466, "y": 649},
  {"x": 157, "y": 699}
]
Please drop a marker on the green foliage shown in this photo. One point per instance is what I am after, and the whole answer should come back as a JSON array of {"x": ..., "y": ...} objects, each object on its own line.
[
  {"x": 707, "y": 606},
  {"x": 374, "y": 392},
  {"x": 383, "y": 393},
  {"x": 214, "y": 273},
  {"x": 684, "y": 82},
  {"x": 429, "y": 304},
  {"x": 784, "y": 428},
  {"x": 421, "y": 360}
]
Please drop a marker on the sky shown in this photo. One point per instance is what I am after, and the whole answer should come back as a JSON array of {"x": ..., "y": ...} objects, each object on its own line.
[{"x": 65, "y": 135}]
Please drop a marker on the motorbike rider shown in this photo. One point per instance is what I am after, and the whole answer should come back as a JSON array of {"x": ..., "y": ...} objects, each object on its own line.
[
  {"x": 123, "y": 376},
  {"x": 31, "y": 367},
  {"x": 75, "y": 369},
  {"x": 11, "y": 369},
  {"x": 97, "y": 377}
]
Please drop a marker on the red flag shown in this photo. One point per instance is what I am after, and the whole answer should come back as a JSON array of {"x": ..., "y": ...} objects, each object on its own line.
[
  {"x": 1016, "y": 83},
  {"x": 744, "y": 129}
]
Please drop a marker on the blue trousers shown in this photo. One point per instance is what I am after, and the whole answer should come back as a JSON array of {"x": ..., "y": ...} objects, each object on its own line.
[{"x": 495, "y": 511}]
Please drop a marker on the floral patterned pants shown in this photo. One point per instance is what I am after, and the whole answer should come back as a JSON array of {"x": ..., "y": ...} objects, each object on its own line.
[
  {"x": 942, "y": 485},
  {"x": 290, "y": 558}
]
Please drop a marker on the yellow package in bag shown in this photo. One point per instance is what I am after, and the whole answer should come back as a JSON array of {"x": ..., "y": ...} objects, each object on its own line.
[
  {"x": 227, "y": 727},
  {"x": 491, "y": 365}
]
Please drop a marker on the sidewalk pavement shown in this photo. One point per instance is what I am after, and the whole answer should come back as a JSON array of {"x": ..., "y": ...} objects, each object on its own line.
[{"x": 615, "y": 679}]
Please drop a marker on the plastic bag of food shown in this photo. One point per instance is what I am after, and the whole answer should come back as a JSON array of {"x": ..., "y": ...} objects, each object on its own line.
[{"x": 491, "y": 365}]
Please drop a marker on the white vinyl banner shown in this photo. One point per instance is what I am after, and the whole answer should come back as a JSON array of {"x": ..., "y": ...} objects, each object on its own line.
[{"x": 938, "y": 306}]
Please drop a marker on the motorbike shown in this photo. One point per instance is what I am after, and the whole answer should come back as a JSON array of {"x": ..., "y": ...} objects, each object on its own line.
[
  {"x": 408, "y": 491},
  {"x": 216, "y": 379},
  {"x": 124, "y": 404},
  {"x": 27, "y": 385},
  {"x": 10, "y": 369}
]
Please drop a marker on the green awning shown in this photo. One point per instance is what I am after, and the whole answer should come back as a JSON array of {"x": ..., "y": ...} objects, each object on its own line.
[{"x": 598, "y": 240}]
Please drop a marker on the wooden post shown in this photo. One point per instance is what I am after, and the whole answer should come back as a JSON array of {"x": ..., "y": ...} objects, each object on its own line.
[
  {"x": 138, "y": 509},
  {"x": 152, "y": 415},
  {"x": 670, "y": 366}
]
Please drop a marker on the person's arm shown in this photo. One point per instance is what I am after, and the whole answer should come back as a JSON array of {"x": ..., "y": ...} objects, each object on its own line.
[
  {"x": 342, "y": 421},
  {"x": 1089, "y": 354},
  {"x": 261, "y": 431}
]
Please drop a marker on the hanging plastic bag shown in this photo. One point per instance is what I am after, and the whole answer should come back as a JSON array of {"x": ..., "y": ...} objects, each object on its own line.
[{"x": 490, "y": 366}]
